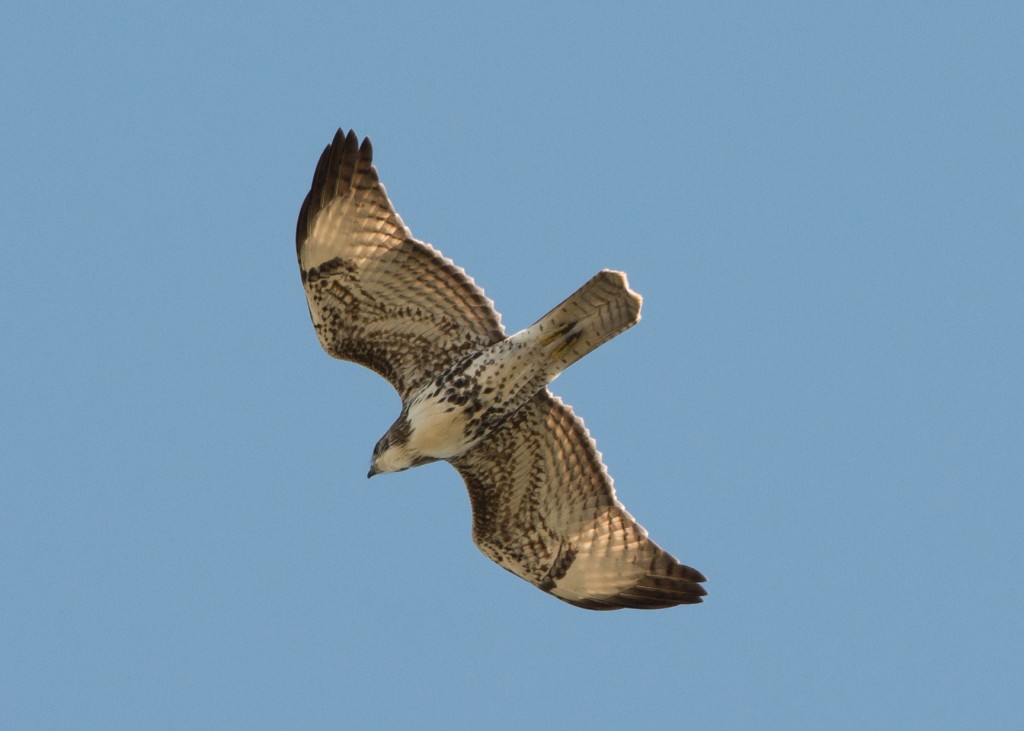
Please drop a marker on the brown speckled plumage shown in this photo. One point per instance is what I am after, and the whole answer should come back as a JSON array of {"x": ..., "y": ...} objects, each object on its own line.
[{"x": 543, "y": 505}]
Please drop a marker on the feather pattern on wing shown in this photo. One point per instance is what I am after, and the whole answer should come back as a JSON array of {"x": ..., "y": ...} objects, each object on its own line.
[
  {"x": 544, "y": 506},
  {"x": 545, "y": 509},
  {"x": 376, "y": 295}
]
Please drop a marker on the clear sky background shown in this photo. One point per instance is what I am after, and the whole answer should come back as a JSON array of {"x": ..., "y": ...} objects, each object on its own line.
[{"x": 822, "y": 409}]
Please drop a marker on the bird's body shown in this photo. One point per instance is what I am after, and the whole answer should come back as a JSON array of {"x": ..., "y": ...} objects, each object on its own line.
[
  {"x": 543, "y": 504},
  {"x": 453, "y": 411}
]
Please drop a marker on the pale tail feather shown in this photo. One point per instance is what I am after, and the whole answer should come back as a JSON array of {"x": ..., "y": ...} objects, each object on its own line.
[{"x": 594, "y": 314}]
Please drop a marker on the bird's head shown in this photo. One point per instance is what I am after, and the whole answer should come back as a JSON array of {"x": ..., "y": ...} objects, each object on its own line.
[
  {"x": 389, "y": 456},
  {"x": 392, "y": 452}
]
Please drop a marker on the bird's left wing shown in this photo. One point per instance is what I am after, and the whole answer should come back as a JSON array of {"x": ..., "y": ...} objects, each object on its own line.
[
  {"x": 376, "y": 295},
  {"x": 544, "y": 508}
]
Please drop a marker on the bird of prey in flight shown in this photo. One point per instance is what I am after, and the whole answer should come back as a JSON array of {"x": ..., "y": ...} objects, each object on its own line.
[{"x": 543, "y": 504}]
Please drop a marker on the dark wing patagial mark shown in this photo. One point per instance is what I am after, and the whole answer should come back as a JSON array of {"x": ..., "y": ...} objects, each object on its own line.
[
  {"x": 545, "y": 509},
  {"x": 376, "y": 295}
]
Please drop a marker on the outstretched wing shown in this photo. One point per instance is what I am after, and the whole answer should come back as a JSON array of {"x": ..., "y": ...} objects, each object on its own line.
[
  {"x": 376, "y": 295},
  {"x": 544, "y": 508}
]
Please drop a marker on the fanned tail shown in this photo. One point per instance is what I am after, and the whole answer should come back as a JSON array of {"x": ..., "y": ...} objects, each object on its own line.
[{"x": 591, "y": 316}]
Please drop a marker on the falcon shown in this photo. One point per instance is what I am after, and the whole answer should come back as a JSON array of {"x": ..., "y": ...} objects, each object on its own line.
[{"x": 543, "y": 504}]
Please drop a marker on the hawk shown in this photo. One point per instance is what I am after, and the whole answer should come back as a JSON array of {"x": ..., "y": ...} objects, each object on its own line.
[{"x": 543, "y": 504}]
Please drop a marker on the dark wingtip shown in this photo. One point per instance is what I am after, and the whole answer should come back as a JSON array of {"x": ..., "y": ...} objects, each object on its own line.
[
  {"x": 330, "y": 177},
  {"x": 672, "y": 585}
]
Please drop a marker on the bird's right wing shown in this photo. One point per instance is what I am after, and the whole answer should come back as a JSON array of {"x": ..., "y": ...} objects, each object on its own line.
[
  {"x": 544, "y": 508},
  {"x": 376, "y": 295}
]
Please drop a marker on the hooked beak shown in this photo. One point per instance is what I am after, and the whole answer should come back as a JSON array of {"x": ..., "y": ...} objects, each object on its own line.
[{"x": 371, "y": 473}]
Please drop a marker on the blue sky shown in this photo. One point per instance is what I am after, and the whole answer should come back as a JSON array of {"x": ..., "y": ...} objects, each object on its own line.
[{"x": 822, "y": 408}]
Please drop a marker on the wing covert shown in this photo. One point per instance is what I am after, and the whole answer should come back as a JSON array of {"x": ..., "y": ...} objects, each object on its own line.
[{"x": 376, "y": 295}]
